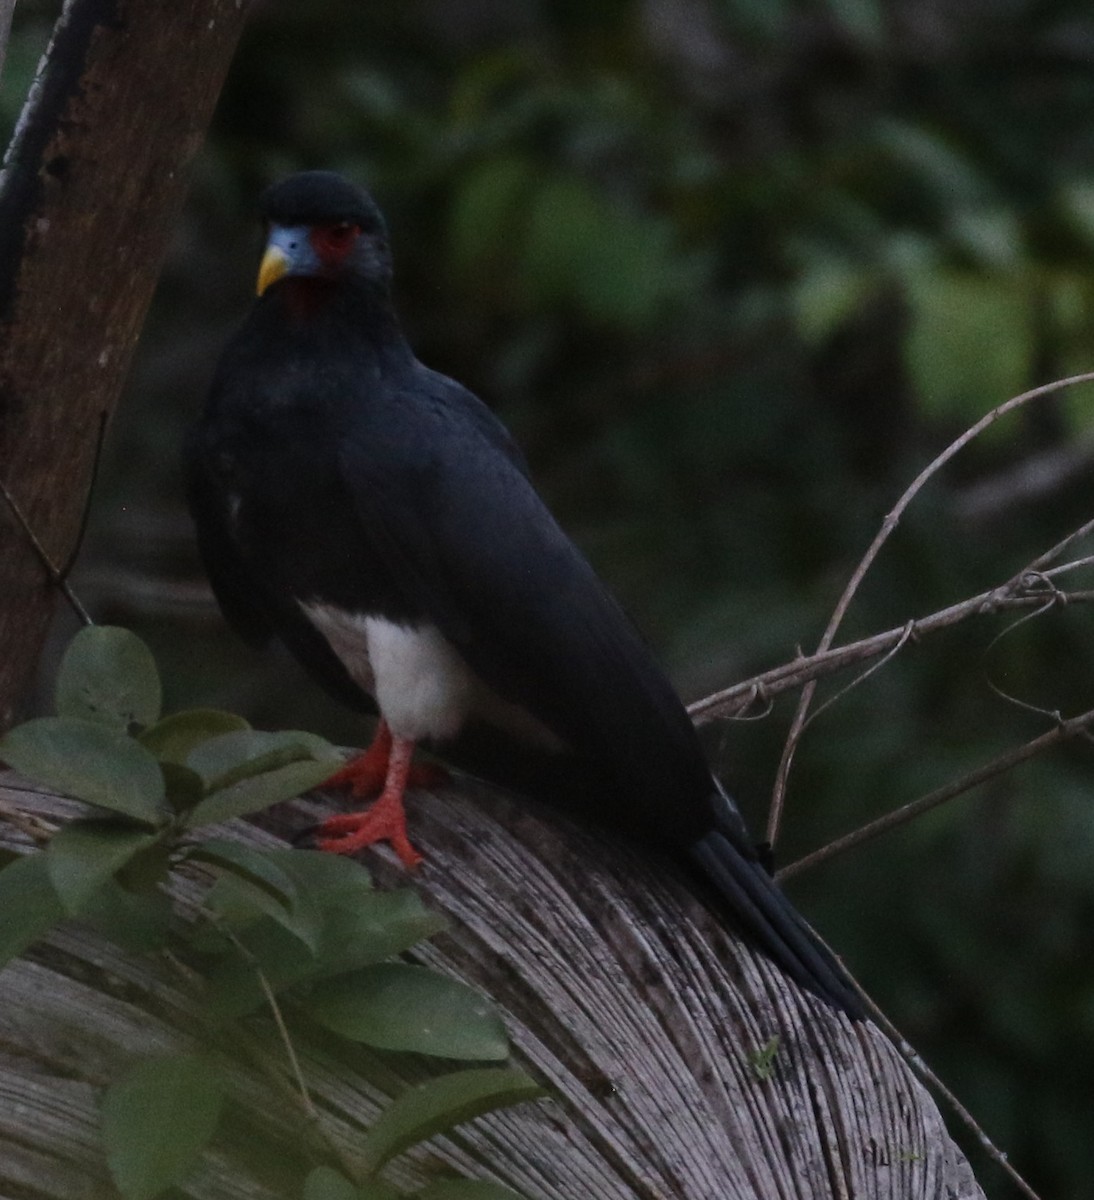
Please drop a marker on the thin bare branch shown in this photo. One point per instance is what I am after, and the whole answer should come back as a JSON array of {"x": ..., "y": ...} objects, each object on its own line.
[
  {"x": 927, "y": 1076},
  {"x": 732, "y": 702},
  {"x": 915, "y": 1060},
  {"x": 1064, "y": 731},
  {"x": 56, "y": 575},
  {"x": 275, "y": 1010},
  {"x": 906, "y": 636},
  {"x": 1045, "y": 560},
  {"x": 888, "y": 525},
  {"x": 1075, "y": 565}
]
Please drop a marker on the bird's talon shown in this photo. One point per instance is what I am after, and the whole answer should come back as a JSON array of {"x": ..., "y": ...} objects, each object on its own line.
[{"x": 385, "y": 821}]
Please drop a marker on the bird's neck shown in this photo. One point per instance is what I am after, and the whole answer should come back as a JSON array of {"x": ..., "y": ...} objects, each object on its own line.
[{"x": 353, "y": 315}]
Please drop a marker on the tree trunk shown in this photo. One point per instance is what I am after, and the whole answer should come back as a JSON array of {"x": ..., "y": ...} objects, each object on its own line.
[
  {"x": 92, "y": 185},
  {"x": 623, "y": 995}
]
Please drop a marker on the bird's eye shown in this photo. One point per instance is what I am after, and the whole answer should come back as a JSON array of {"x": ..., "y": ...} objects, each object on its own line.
[{"x": 334, "y": 242}]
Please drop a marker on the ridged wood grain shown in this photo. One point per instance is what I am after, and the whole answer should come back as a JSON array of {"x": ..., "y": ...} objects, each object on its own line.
[{"x": 640, "y": 1014}]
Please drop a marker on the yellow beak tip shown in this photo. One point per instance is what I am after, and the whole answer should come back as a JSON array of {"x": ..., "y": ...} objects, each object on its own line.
[{"x": 273, "y": 267}]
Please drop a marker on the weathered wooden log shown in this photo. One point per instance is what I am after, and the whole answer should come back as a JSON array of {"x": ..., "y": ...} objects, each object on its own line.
[{"x": 641, "y": 1015}]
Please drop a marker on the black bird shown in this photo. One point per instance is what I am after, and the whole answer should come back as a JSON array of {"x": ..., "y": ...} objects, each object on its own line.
[{"x": 377, "y": 518}]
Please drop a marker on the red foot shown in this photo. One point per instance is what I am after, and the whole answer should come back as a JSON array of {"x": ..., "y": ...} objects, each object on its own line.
[
  {"x": 366, "y": 773},
  {"x": 385, "y": 821}
]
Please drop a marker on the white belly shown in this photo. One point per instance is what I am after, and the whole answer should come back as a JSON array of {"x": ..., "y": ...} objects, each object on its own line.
[{"x": 422, "y": 685}]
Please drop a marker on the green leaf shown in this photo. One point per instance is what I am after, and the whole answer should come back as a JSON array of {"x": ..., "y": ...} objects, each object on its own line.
[
  {"x": 366, "y": 929},
  {"x": 233, "y": 982},
  {"x": 327, "y": 875},
  {"x": 108, "y": 675},
  {"x": 90, "y": 762},
  {"x": 360, "y": 926},
  {"x": 157, "y": 1120},
  {"x": 29, "y": 905},
  {"x": 258, "y": 867},
  {"x": 175, "y": 737},
  {"x": 378, "y": 926},
  {"x": 439, "y": 1104},
  {"x": 138, "y": 922},
  {"x": 377, "y": 1189},
  {"x": 239, "y": 903},
  {"x": 325, "y": 1183},
  {"x": 227, "y": 759},
  {"x": 254, "y": 794},
  {"x": 396, "y": 1006},
  {"x": 85, "y": 854},
  {"x": 929, "y": 159},
  {"x": 185, "y": 788},
  {"x": 147, "y": 869},
  {"x": 467, "y": 1189}
]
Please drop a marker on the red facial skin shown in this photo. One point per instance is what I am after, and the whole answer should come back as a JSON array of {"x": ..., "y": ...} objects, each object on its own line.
[{"x": 332, "y": 243}]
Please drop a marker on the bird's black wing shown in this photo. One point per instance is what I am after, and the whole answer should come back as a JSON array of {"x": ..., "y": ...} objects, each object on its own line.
[
  {"x": 445, "y": 499},
  {"x": 237, "y": 592},
  {"x": 256, "y": 610}
]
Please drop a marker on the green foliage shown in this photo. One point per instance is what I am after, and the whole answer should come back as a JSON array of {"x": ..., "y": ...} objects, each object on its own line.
[
  {"x": 156, "y": 1121},
  {"x": 762, "y": 1061},
  {"x": 85, "y": 854},
  {"x": 950, "y": 313},
  {"x": 30, "y": 905},
  {"x": 88, "y": 761},
  {"x": 325, "y": 1183},
  {"x": 395, "y": 1006},
  {"x": 301, "y": 925},
  {"x": 432, "y": 1107},
  {"x": 112, "y": 679},
  {"x": 173, "y": 739}
]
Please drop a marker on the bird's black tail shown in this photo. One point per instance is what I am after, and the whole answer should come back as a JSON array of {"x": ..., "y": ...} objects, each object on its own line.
[{"x": 772, "y": 923}]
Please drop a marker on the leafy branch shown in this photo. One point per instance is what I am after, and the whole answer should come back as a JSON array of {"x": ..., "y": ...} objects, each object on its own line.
[{"x": 298, "y": 933}]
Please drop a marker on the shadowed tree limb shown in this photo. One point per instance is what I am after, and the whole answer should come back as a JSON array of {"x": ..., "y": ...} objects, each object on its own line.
[{"x": 91, "y": 188}]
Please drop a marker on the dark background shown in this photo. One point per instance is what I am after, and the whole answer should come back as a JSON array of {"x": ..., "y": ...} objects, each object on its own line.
[{"x": 733, "y": 271}]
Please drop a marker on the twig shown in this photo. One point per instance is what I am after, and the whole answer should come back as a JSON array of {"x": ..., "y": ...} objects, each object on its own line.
[
  {"x": 907, "y": 635},
  {"x": 1064, "y": 731},
  {"x": 56, "y": 577},
  {"x": 245, "y": 1042},
  {"x": 275, "y": 1009},
  {"x": 1074, "y": 565},
  {"x": 888, "y": 525},
  {"x": 735, "y": 700},
  {"x": 919, "y": 1067},
  {"x": 915, "y": 1061},
  {"x": 1044, "y": 560}
]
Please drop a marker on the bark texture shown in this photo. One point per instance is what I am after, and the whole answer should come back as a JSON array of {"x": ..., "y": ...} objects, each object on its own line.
[
  {"x": 91, "y": 189},
  {"x": 623, "y": 995}
]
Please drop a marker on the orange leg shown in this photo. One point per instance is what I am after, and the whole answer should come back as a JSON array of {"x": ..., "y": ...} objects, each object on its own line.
[
  {"x": 366, "y": 774},
  {"x": 385, "y": 821}
]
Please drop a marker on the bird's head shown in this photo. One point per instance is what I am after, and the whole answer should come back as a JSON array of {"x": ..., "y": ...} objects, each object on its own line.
[{"x": 320, "y": 226}]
